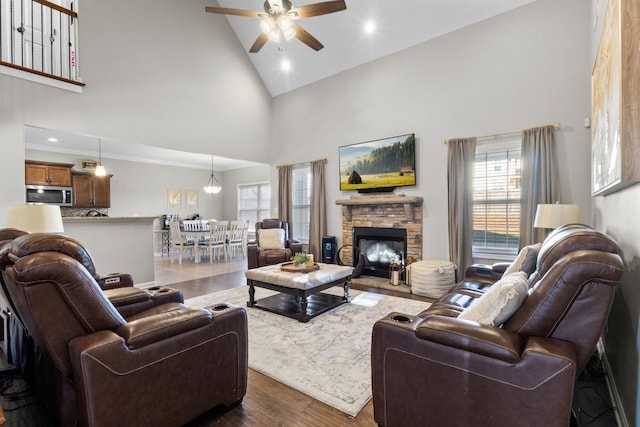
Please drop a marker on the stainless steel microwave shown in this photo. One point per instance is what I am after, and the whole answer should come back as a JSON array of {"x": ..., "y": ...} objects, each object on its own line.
[{"x": 40, "y": 194}]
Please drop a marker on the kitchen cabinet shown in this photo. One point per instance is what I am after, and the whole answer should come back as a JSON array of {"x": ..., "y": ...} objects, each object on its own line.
[
  {"x": 47, "y": 173},
  {"x": 90, "y": 191}
]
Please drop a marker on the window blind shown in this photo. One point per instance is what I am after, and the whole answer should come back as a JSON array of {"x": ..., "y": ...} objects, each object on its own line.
[
  {"x": 496, "y": 200},
  {"x": 254, "y": 203},
  {"x": 301, "y": 202}
]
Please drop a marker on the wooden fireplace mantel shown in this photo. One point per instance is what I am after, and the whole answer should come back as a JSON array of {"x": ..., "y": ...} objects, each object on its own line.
[{"x": 408, "y": 203}]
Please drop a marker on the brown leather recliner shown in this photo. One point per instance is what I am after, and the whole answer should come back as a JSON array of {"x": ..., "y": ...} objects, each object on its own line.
[
  {"x": 117, "y": 287},
  {"x": 258, "y": 257},
  {"x": 162, "y": 366},
  {"x": 435, "y": 369}
]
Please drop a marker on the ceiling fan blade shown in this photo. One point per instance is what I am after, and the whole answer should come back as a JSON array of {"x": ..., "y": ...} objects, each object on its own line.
[
  {"x": 260, "y": 41},
  {"x": 305, "y": 37},
  {"x": 316, "y": 9},
  {"x": 237, "y": 12}
]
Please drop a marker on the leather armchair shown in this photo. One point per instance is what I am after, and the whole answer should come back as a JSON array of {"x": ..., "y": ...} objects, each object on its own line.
[
  {"x": 258, "y": 257},
  {"x": 118, "y": 287},
  {"x": 161, "y": 366},
  {"x": 435, "y": 369}
]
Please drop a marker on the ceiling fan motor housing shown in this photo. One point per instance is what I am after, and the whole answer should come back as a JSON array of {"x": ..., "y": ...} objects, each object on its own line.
[{"x": 277, "y": 7}]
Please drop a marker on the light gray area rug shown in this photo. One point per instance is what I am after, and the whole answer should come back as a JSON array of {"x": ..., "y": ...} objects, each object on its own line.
[{"x": 328, "y": 358}]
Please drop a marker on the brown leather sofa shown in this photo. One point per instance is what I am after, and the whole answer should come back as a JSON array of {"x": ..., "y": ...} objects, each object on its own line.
[
  {"x": 258, "y": 257},
  {"x": 162, "y": 366},
  {"x": 436, "y": 369}
]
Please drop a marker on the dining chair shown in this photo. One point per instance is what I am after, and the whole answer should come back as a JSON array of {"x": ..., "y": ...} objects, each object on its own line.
[
  {"x": 178, "y": 240},
  {"x": 194, "y": 225},
  {"x": 237, "y": 237},
  {"x": 217, "y": 240}
]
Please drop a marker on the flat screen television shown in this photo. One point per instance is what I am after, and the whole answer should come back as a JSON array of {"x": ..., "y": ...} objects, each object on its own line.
[{"x": 379, "y": 165}]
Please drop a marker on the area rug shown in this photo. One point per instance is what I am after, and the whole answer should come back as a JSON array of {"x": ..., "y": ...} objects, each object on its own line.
[{"x": 327, "y": 358}]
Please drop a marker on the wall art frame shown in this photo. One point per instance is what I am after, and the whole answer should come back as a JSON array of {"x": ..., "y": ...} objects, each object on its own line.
[
  {"x": 174, "y": 197},
  {"x": 191, "y": 199},
  {"x": 615, "y": 101}
]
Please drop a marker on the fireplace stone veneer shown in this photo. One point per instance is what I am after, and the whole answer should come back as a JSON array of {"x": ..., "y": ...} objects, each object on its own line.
[{"x": 384, "y": 210}]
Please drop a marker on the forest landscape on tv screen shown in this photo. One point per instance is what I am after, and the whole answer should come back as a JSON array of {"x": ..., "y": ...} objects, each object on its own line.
[{"x": 378, "y": 165}]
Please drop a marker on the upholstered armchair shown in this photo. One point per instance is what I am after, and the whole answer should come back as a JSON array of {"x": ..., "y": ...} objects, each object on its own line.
[
  {"x": 440, "y": 367},
  {"x": 272, "y": 244}
]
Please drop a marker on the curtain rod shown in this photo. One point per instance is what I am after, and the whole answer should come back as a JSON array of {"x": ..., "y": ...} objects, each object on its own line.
[
  {"x": 324, "y": 159},
  {"x": 494, "y": 135}
]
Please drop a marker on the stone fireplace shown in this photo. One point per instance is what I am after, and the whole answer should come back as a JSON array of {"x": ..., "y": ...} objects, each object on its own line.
[{"x": 394, "y": 217}]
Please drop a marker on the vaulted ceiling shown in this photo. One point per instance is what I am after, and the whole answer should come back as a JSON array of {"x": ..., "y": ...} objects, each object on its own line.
[{"x": 398, "y": 25}]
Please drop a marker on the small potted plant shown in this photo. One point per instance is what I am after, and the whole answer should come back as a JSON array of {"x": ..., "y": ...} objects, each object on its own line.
[{"x": 302, "y": 258}]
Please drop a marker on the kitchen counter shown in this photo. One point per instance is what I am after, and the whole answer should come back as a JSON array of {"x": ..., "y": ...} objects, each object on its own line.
[
  {"x": 117, "y": 244},
  {"x": 70, "y": 219}
]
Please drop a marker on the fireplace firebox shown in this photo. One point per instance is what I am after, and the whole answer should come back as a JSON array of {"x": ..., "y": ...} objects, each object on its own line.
[{"x": 381, "y": 247}]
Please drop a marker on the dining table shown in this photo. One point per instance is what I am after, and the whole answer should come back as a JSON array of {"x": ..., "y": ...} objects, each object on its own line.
[{"x": 196, "y": 235}]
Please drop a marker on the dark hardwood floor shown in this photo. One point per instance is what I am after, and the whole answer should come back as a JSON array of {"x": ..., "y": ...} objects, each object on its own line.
[{"x": 268, "y": 402}]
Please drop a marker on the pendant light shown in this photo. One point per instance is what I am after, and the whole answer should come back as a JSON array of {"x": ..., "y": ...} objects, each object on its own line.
[
  {"x": 100, "y": 170},
  {"x": 213, "y": 186}
]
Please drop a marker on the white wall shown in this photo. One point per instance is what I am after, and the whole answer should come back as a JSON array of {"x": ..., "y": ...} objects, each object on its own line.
[
  {"x": 168, "y": 75},
  {"x": 617, "y": 215},
  {"x": 525, "y": 68}
]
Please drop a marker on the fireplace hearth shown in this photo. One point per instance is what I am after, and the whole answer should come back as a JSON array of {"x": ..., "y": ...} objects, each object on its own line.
[{"x": 381, "y": 247}]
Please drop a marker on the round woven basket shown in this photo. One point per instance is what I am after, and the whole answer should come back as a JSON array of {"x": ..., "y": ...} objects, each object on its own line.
[{"x": 431, "y": 277}]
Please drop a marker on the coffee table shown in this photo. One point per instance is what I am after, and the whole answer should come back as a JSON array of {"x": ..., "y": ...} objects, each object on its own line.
[{"x": 299, "y": 294}]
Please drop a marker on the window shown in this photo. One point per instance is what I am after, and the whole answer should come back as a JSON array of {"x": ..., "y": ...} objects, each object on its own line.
[
  {"x": 254, "y": 203},
  {"x": 301, "y": 197},
  {"x": 496, "y": 198}
]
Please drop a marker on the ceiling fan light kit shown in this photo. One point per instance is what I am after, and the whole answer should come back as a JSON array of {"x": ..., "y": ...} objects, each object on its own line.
[
  {"x": 277, "y": 20},
  {"x": 274, "y": 28}
]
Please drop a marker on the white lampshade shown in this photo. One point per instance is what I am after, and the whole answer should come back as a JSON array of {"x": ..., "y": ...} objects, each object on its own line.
[
  {"x": 555, "y": 215},
  {"x": 36, "y": 218}
]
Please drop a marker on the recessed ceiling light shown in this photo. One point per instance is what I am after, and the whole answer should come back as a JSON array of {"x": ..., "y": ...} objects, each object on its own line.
[
  {"x": 370, "y": 27},
  {"x": 52, "y": 139},
  {"x": 285, "y": 64}
]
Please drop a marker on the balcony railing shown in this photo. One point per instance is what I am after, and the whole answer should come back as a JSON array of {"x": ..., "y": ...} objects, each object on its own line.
[{"x": 40, "y": 37}]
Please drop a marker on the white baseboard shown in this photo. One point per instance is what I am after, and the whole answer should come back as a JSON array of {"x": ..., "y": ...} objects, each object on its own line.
[{"x": 618, "y": 409}]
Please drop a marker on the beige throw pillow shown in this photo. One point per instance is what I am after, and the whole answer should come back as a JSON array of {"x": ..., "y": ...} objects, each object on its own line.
[
  {"x": 525, "y": 261},
  {"x": 500, "y": 301},
  {"x": 271, "y": 238}
]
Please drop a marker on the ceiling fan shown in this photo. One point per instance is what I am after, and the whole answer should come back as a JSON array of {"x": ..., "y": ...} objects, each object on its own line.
[{"x": 277, "y": 20}]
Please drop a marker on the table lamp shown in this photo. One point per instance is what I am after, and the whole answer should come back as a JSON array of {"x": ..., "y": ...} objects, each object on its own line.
[
  {"x": 36, "y": 218},
  {"x": 555, "y": 215}
]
